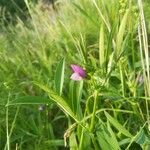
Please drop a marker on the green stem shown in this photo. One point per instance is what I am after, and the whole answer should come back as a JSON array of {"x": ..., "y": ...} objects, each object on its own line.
[
  {"x": 94, "y": 143},
  {"x": 7, "y": 126},
  {"x": 94, "y": 111},
  {"x": 122, "y": 80},
  {"x": 81, "y": 140}
]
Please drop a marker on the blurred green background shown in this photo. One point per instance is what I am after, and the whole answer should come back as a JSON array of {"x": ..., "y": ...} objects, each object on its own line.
[{"x": 10, "y": 9}]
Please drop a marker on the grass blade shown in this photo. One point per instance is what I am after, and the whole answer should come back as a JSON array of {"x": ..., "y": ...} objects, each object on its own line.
[
  {"x": 104, "y": 138},
  {"x": 121, "y": 33},
  {"x": 29, "y": 100},
  {"x": 117, "y": 125},
  {"x": 85, "y": 14},
  {"x": 101, "y": 47},
  {"x": 61, "y": 102},
  {"x": 59, "y": 76}
]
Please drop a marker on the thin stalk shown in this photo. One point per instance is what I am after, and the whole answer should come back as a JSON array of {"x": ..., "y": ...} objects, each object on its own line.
[
  {"x": 82, "y": 130},
  {"x": 92, "y": 121},
  {"x": 7, "y": 126},
  {"x": 105, "y": 22},
  {"x": 145, "y": 38},
  {"x": 133, "y": 53},
  {"x": 81, "y": 139},
  {"x": 143, "y": 41},
  {"x": 122, "y": 80},
  {"x": 142, "y": 61},
  {"x": 94, "y": 111}
]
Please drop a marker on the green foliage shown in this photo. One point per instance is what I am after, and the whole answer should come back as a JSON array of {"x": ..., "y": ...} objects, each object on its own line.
[
  {"x": 59, "y": 76},
  {"x": 42, "y": 108},
  {"x": 11, "y": 9}
]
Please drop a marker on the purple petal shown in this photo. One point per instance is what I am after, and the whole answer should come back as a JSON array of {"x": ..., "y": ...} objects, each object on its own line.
[
  {"x": 79, "y": 70},
  {"x": 75, "y": 76}
]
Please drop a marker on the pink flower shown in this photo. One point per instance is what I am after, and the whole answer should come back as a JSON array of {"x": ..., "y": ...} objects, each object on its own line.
[{"x": 78, "y": 73}]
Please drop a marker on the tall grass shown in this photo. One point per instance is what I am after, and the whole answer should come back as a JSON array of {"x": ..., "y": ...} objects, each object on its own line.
[{"x": 42, "y": 108}]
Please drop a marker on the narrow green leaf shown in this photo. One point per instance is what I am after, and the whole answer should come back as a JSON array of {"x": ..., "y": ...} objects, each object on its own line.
[
  {"x": 56, "y": 142},
  {"x": 140, "y": 137},
  {"x": 103, "y": 137},
  {"x": 85, "y": 140},
  {"x": 113, "y": 137},
  {"x": 125, "y": 141},
  {"x": 121, "y": 33},
  {"x": 61, "y": 102},
  {"x": 72, "y": 101},
  {"x": 117, "y": 125},
  {"x": 59, "y": 76},
  {"x": 29, "y": 100},
  {"x": 79, "y": 87},
  {"x": 84, "y": 12},
  {"x": 101, "y": 47},
  {"x": 73, "y": 142},
  {"x": 75, "y": 94},
  {"x": 110, "y": 63}
]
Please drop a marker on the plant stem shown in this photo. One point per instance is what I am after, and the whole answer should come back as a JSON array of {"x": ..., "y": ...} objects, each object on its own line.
[
  {"x": 122, "y": 80},
  {"x": 7, "y": 126},
  {"x": 94, "y": 111}
]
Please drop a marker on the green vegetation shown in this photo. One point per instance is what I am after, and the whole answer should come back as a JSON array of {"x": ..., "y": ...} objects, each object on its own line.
[{"x": 41, "y": 108}]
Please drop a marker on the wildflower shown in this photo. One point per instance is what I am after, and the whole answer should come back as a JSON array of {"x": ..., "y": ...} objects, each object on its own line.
[{"x": 78, "y": 73}]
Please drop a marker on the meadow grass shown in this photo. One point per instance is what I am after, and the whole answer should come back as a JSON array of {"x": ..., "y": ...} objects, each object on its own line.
[{"x": 42, "y": 108}]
